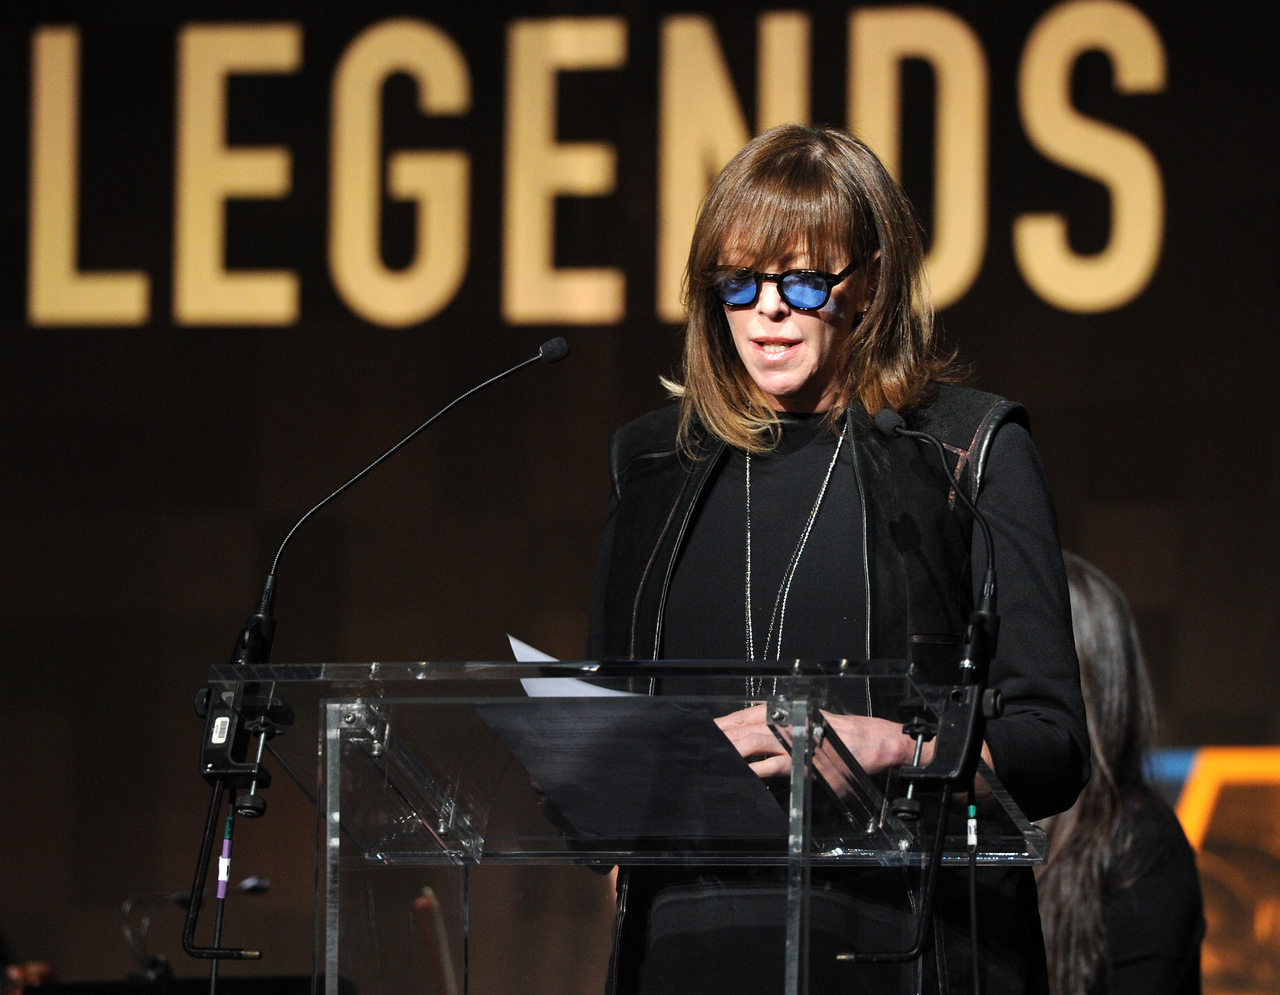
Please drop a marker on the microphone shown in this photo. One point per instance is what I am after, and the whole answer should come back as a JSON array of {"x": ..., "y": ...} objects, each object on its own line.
[
  {"x": 889, "y": 422},
  {"x": 553, "y": 350},
  {"x": 253, "y": 646},
  {"x": 977, "y": 704},
  {"x": 984, "y": 624}
]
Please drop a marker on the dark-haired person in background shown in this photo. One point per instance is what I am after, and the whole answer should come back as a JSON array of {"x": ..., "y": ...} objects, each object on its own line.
[
  {"x": 1120, "y": 896},
  {"x": 764, "y": 517}
]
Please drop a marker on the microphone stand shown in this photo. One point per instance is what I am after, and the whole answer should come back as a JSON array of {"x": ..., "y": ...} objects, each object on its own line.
[
  {"x": 231, "y": 717},
  {"x": 960, "y": 728}
]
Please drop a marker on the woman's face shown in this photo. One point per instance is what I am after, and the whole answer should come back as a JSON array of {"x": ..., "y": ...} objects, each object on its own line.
[{"x": 791, "y": 354}]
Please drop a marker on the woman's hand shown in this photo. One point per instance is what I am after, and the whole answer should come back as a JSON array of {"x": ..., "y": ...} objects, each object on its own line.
[
  {"x": 875, "y": 743},
  {"x": 751, "y": 737}
]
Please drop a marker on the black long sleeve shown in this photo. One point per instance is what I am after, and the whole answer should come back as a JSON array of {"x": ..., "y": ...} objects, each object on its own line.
[{"x": 1041, "y": 744}]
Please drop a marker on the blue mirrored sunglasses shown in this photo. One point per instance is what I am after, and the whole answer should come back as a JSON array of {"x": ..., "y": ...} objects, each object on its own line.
[{"x": 802, "y": 289}]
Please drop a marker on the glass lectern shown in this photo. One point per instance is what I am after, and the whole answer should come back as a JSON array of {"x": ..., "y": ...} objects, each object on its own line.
[{"x": 426, "y": 772}]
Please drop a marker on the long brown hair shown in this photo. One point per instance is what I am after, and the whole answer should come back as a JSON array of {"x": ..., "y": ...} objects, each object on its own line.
[
  {"x": 820, "y": 191},
  {"x": 1091, "y": 840}
]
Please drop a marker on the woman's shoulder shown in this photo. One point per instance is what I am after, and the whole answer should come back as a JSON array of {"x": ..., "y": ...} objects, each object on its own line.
[
  {"x": 960, "y": 414},
  {"x": 1157, "y": 910},
  {"x": 968, "y": 420},
  {"x": 651, "y": 435},
  {"x": 654, "y": 432},
  {"x": 1158, "y": 837},
  {"x": 1159, "y": 859}
]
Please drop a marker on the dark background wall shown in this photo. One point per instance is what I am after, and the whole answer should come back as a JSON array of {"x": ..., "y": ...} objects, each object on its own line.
[{"x": 147, "y": 473}]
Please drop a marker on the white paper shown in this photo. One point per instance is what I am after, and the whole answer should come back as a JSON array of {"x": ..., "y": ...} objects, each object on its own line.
[
  {"x": 526, "y": 653},
  {"x": 554, "y": 687}
]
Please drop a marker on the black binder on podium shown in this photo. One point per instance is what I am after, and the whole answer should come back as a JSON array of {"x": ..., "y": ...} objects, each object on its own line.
[{"x": 430, "y": 772}]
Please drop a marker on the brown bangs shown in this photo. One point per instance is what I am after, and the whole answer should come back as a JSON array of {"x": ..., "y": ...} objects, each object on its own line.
[{"x": 791, "y": 203}]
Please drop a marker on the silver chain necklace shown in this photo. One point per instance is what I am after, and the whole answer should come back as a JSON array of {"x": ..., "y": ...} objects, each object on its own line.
[{"x": 779, "y": 614}]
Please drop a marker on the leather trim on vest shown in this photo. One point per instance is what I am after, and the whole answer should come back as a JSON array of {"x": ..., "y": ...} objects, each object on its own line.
[
  {"x": 710, "y": 458},
  {"x": 866, "y": 563},
  {"x": 980, "y": 447},
  {"x": 966, "y": 420},
  {"x": 648, "y": 569},
  {"x": 884, "y": 570}
]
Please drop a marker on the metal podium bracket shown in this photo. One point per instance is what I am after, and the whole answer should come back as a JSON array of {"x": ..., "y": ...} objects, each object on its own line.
[
  {"x": 960, "y": 727},
  {"x": 857, "y": 798},
  {"x": 430, "y": 806},
  {"x": 798, "y": 715},
  {"x": 231, "y": 717}
]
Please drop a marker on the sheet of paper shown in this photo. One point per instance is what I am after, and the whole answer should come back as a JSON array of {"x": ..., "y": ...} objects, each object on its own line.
[
  {"x": 638, "y": 768},
  {"x": 554, "y": 687}
]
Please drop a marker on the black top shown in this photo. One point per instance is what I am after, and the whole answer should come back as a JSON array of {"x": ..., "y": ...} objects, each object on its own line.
[
  {"x": 1035, "y": 664},
  {"x": 825, "y": 615},
  {"x": 1155, "y": 921}
]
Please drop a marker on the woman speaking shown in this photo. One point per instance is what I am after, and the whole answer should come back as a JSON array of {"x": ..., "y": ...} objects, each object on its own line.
[{"x": 764, "y": 517}]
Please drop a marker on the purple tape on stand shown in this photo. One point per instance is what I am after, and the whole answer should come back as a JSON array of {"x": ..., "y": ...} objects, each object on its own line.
[{"x": 224, "y": 868}]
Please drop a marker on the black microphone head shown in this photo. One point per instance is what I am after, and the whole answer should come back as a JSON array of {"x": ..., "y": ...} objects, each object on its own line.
[
  {"x": 553, "y": 350},
  {"x": 889, "y": 421}
]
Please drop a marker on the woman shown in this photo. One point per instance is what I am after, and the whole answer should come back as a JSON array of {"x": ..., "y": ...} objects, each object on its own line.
[
  {"x": 764, "y": 517},
  {"x": 1120, "y": 896}
]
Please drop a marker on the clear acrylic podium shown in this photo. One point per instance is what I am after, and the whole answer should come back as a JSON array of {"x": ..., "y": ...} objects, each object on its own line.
[{"x": 423, "y": 772}]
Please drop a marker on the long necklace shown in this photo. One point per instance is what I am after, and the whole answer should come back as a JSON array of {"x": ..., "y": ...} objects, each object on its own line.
[{"x": 779, "y": 614}]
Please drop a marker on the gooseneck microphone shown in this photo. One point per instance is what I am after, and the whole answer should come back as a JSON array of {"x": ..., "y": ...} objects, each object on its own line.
[
  {"x": 890, "y": 423},
  {"x": 977, "y": 704},
  {"x": 253, "y": 645},
  {"x": 230, "y": 718}
]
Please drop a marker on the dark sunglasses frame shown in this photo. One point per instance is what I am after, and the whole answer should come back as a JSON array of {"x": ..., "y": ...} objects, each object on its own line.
[{"x": 830, "y": 279}]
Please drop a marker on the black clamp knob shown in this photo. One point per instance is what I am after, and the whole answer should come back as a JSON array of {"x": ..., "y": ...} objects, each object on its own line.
[{"x": 906, "y": 809}]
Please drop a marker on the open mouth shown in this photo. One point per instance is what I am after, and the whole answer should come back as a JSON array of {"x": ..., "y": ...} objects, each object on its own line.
[{"x": 774, "y": 349}]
